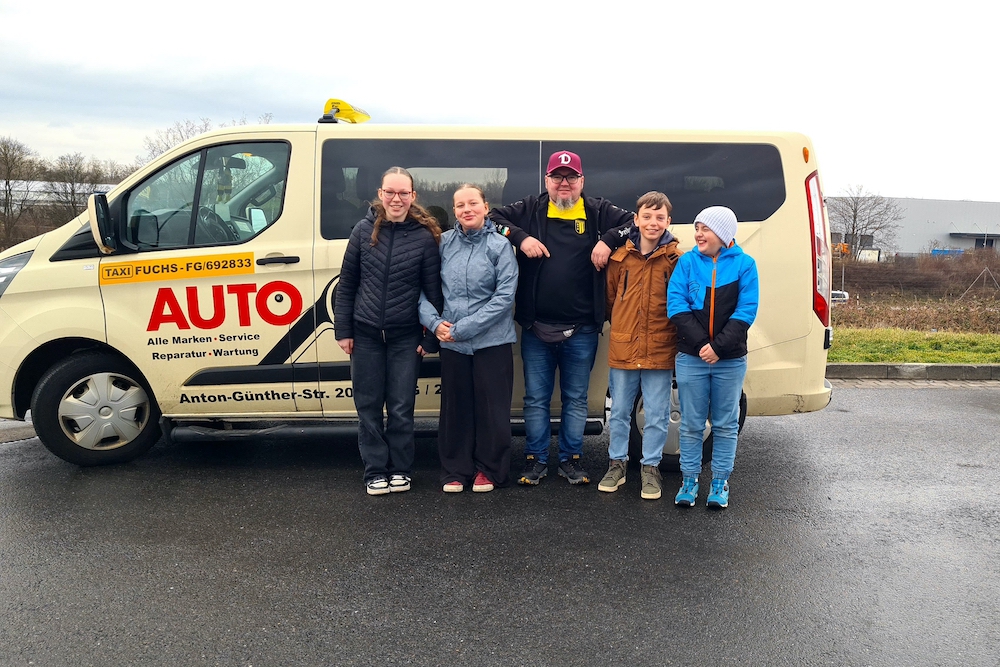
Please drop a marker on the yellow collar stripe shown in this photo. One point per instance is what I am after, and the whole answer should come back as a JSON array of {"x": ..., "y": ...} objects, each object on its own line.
[{"x": 578, "y": 212}]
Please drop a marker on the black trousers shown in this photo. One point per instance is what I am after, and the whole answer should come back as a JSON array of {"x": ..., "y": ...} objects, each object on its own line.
[
  {"x": 474, "y": 432},
  {"x": 384, "y": 374}
]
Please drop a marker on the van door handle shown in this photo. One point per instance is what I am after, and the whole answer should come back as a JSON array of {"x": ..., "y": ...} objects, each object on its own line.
[{"x": 286, "y": 259}]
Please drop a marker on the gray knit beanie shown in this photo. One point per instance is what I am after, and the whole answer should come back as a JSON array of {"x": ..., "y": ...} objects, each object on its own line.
[{"x": 720, "y": 220}]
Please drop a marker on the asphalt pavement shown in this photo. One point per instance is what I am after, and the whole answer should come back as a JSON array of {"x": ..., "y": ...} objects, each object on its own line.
[{"x": 864, "y": 534}]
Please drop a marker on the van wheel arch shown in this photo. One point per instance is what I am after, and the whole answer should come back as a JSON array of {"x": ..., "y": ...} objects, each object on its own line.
[
  {"x": 41, "y": 359},
  {"x": 95, "y": 408}
]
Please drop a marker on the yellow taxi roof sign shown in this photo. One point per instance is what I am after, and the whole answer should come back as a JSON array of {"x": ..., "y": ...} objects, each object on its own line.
[{"x": 339, "y": 110}]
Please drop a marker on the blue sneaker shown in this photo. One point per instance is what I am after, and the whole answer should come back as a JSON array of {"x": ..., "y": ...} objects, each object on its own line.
[
  {"x": 688, "y": 493},
  {"x": 718, "y": 497}
]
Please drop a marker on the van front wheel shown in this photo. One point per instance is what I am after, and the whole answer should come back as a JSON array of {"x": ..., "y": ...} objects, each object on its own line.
[{"x": 95, "y": 409}]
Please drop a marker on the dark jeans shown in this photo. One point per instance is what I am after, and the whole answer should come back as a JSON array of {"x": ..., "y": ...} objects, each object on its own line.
[
  {"x": 475, "y": 414},
  {"x": 385, "y": 374}
]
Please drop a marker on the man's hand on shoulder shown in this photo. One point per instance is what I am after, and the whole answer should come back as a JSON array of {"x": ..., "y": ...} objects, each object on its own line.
[
  {"x": 600, "y": 255},
  {"x": 532, "y": 247}
]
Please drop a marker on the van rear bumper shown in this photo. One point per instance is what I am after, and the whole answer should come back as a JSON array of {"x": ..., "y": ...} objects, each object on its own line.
[{"x": 790, "y": 403}]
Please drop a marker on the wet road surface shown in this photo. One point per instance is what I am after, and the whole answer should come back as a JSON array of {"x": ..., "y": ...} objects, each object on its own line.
[{"x": 865, "y": 534}]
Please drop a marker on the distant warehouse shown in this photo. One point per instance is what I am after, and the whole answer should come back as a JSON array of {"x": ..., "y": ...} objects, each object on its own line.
[{"x": 935, "y": 226}]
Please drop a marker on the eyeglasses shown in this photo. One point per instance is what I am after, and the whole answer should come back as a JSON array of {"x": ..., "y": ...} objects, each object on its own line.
[
  {"x": 559, "y": 178},
  {"x": 390, "y": 195}
]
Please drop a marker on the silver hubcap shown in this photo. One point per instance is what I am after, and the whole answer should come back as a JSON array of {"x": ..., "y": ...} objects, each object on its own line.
[{"x": 104, "y": 411}]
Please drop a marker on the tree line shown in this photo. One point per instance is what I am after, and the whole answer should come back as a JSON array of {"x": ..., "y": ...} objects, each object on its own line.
[{"x": 39, "y": 194}]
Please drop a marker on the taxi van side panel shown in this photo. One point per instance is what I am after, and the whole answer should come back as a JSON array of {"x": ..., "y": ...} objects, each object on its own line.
[{"x": 207, "y": 322}]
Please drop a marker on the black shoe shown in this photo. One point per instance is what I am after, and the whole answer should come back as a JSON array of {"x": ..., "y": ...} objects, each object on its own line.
[
  {"x": 573, "y": 471},
  {"x": 534, "y": 470}
]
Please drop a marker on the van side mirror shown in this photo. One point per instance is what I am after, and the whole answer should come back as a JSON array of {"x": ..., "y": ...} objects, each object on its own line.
[
  {"x": 100, "y": 223},
  {"x": 258, "y": 220}
]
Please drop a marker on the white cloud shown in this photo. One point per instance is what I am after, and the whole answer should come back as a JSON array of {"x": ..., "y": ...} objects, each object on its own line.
[{"x": 897, "y": 101}]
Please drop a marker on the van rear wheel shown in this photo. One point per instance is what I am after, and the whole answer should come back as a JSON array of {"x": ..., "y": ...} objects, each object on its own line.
[{"x": 95, "y": 408}]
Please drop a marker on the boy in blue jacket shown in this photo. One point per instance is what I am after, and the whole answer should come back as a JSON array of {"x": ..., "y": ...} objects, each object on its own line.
[{"x": 712, "y": 300}]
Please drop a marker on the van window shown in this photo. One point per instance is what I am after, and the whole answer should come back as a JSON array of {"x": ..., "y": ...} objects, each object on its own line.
[
  {"x": 745, "y": 177},
  {"x": 506, "y": 170},
  {"x": 748, "y": 178},
  {"x": 239, "y": 190}
]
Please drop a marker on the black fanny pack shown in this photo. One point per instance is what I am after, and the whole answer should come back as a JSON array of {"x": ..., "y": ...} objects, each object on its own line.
[{"x": 553, "y": 333}]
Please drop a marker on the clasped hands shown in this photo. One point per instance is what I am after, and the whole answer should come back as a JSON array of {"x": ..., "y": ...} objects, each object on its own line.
[{"x": 443, "y": 332}]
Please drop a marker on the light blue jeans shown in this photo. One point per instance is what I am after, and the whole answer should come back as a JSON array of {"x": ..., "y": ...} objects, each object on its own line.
[
  {"x": 656, "y": 404},
  {"x": 709, "y": 390},
  {"x": 574, "y": 358}
]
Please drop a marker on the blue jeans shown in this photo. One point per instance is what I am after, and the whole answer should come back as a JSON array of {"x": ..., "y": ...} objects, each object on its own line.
[
  {"x": 574, "y": 358},
  {"x": 703, "y": 390},
  {"x": 384, "y": 374},
  {"x": 656, "y": 404}
]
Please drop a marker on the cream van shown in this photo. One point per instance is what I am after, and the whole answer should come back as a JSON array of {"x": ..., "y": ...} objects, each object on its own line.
[{"x": 195, "y": 298}]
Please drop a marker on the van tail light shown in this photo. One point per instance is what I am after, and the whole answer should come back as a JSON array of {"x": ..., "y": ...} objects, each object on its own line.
[{"x": 821, "y": 254}]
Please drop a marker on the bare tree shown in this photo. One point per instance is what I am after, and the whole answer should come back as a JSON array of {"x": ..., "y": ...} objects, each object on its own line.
[
  {"x": 111, "y": 172},
  {"x": 163, "y": 140},
  {"x": 861, "y": 215},
  {"x": 20, "y": 172},
  {"x": 71, "y": 180}
]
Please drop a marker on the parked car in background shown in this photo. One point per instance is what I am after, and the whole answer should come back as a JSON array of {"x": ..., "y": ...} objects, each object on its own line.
[{"x": 839, "y": 296}]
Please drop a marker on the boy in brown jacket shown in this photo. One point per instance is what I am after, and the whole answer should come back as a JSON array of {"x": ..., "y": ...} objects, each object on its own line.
[{"x": 643, "y": 341}]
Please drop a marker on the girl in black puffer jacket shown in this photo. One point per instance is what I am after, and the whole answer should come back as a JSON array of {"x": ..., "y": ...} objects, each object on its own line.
[{"x": 391, "y": 257}]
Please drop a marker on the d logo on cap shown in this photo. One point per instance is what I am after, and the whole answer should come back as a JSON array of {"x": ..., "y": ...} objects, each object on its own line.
[{"x": 564, "y": 159}]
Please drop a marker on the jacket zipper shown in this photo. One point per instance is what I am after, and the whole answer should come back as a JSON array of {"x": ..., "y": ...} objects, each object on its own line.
[
  {"x": 385, "y": 279},
  {"x": 711, "y": 308},
  {"x": 625, "y": 285}
]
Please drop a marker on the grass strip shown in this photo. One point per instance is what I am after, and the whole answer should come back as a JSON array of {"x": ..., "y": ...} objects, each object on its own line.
[{"x": 902, "y": 346}]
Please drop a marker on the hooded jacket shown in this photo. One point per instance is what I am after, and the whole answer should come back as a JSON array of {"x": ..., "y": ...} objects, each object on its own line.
[
  {"x": 714, "y": 300},
  {"x": 479, "y": 280},
  {"x": 641, "y": 335},
  {"x": 529, "y": 217},
  {"x": 380, "y": 285}
]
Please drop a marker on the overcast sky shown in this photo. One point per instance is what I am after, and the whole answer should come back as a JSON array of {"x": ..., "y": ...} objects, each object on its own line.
[{"x": 896, "y": 98}]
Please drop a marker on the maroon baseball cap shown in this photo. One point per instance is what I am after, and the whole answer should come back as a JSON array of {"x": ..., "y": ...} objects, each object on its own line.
[{"x": 565, "y": 159}]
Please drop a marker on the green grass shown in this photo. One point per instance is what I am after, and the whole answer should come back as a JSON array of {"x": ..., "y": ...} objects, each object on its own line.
[{"x": 913, "y": 347}]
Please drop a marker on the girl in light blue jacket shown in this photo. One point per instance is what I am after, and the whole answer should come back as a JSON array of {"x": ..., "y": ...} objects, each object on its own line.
[{"x": 476, "y": 330}]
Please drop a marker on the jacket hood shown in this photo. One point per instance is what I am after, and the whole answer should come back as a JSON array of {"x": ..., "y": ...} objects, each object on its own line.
[
  {"x": 732, "y": 251},
  {"x": 635, "y": 237},
  {"x": 487, "y": 227}
]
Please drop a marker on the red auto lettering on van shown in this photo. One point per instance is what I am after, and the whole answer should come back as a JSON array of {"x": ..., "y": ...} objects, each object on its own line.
[
  {"x": 218, "y": 304},
  {"x": 168, "y": 310},
  {"x": 243, "y": 292},
  {"x": 279, "y": 287}
]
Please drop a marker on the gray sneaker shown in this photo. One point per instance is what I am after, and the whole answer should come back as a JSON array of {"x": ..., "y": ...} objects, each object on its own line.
[
  {"x": 615, "y": 476},
  {"x": 651, "y": 486}
]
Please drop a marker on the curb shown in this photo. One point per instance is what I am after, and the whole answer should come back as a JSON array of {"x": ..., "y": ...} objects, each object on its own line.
[{"x": 913, "y": 371}]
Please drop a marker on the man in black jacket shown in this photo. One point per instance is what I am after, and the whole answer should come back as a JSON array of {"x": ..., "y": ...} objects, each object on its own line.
[{"x": 564, "y": 241}]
